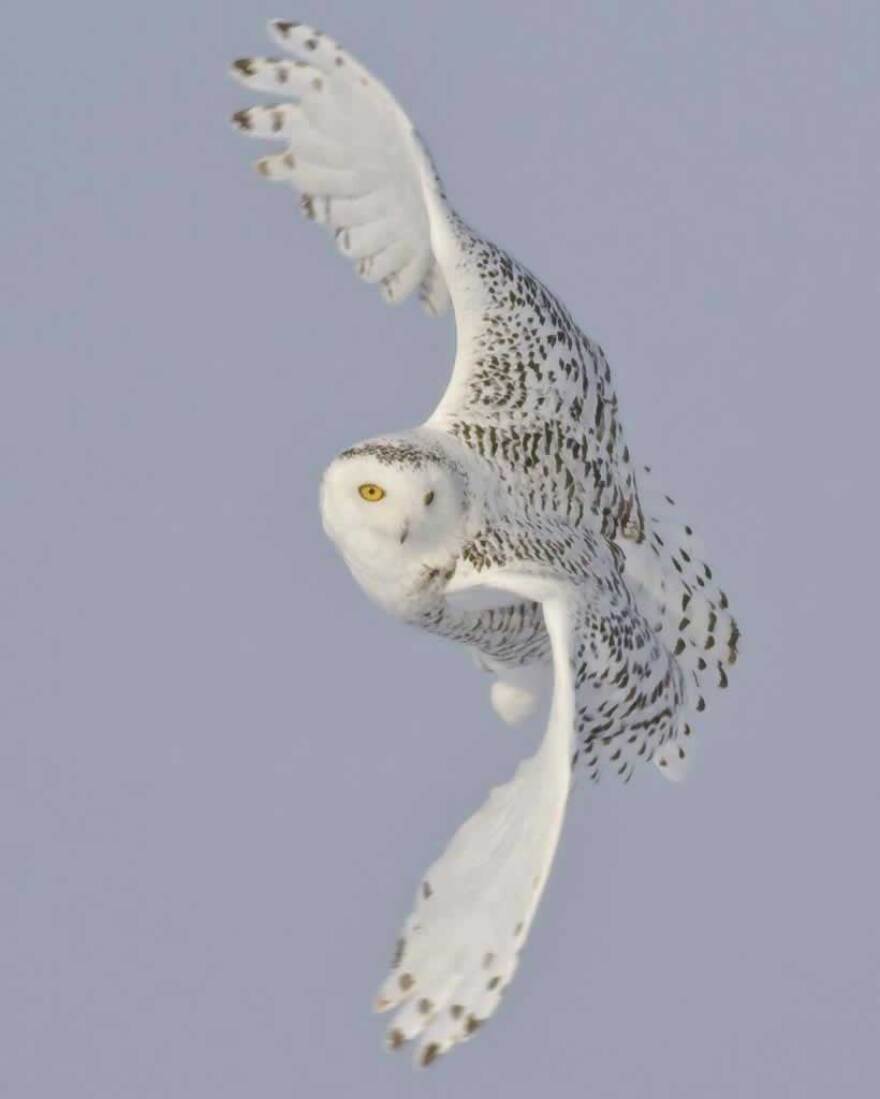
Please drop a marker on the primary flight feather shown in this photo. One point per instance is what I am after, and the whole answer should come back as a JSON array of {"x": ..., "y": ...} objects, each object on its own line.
[{"x": 514, "y": 522}]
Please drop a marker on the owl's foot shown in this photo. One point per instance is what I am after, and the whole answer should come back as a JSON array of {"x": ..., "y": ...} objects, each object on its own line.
[
  {"x": 513, "y": 703},
  {"x": 458, "y": 950},
  {"x": 517, "y": 692}
]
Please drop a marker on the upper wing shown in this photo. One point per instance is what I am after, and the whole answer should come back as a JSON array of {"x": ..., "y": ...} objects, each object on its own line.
[
  {"x": 529, "y": 391},
  {"x": 354, "y": 157}
]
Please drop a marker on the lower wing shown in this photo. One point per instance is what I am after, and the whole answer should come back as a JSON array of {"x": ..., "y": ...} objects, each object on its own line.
[{"x": 458, "y": 949}]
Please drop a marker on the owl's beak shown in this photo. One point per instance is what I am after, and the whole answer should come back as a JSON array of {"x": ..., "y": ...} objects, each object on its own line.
[{"x": 404, "y": 534}]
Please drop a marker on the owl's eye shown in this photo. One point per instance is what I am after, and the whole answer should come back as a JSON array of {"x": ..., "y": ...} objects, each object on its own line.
[{"x": 371, "y": 493}]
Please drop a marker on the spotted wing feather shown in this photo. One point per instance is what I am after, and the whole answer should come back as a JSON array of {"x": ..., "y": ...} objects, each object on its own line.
[{"x": 351, "y": 153}]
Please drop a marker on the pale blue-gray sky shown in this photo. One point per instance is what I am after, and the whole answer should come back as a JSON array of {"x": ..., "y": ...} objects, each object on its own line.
[{"x": 223, "y": 771}]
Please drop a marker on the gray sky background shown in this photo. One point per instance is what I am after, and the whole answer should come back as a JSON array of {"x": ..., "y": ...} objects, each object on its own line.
[{"x": 222, "y": 771}]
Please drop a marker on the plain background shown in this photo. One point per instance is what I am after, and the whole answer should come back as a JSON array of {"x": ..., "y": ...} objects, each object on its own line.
[{"x": 223, "y": 771}]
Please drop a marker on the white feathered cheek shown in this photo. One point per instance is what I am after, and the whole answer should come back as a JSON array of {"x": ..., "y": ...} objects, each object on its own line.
[
  {"x": 368, "y": 508},
  {"x": 365, "y": 508}
]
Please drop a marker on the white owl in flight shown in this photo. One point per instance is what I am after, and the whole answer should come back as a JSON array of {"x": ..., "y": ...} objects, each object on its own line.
[{"x": 513, "y": 521}]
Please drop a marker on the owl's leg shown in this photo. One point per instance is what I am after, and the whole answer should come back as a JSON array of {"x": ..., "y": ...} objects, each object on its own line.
[
  {"x": 458, "y": 949},
  {"x": 517, "y": 692},
  {"x": 518, "y": 689}
]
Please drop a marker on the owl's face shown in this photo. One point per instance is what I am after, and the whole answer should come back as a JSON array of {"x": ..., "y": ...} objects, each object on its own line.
[{"x": 390, "y": 513}]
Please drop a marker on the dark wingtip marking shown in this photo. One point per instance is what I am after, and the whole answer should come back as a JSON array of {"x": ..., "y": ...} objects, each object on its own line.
[
  {"x": 395, "y": 1038},
  {"x": 429, "y": 1054},
  {"x": 245, "y": 65},
  {"x": 242, "y": 119},
  {"x": 284, "y": 26}
]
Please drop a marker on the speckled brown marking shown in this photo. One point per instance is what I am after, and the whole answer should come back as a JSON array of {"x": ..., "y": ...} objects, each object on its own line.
[
  {"x": 429, "y": 1054},
  {"x": 425, "y": 1006},
  {"x": 456, "y": 1011},
  {"x": 395, "y": 1038},
  {"x": 406, "y": 981}
]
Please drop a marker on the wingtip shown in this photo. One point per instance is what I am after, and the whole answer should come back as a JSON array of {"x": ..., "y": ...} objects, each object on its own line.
[
  {"x": 242, "y": 68},
  {"x": 428, "y": 1055},
  {"x": 282, "y": 27}
]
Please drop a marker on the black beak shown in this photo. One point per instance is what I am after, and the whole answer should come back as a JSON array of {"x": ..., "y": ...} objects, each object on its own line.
[{"x": 404, "y": 534}]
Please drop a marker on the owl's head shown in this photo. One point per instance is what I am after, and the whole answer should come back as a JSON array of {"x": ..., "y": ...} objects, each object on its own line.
[{"x": 391, "y": 505}]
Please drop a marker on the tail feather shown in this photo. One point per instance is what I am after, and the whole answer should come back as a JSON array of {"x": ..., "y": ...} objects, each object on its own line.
[{"x": 677, "y": 591}]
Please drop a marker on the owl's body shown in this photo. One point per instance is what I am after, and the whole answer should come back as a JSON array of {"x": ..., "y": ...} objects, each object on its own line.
[
  {"x": 641, "y": 704},
  {"x": 513, "y": 522}
]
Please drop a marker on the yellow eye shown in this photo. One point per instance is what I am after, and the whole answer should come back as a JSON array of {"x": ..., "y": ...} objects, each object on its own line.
[{"x": 371, "y": 493}]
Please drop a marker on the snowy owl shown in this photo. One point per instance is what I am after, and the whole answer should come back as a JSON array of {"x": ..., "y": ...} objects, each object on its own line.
[{"x": 513, "y": 522}]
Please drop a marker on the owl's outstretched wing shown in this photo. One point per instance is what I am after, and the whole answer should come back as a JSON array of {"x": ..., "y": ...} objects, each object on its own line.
[
  {"x": 529, "y": 391},
  {"x": 459, "y": 948},
  {"x": 353, "y": 156}
]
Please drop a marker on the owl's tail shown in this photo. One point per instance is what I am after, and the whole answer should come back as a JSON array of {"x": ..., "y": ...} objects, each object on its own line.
[{"x": 677, "y": 592}]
